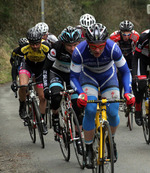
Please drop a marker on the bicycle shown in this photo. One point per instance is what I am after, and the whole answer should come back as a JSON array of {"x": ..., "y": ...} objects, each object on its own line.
[
  {"x": 103, "y": 143},
  {"x": 33, "y": 115},
  {"x": 69, "y": 129},
  {"x": 145, "y": 108}
]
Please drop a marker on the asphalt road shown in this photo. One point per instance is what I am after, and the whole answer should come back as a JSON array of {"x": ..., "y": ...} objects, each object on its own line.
[{"x": 19, "y": 154}]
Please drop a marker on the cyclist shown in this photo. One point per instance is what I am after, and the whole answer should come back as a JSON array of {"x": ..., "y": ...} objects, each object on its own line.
[
  {"x": 140, "y": 64},
  {"x": 55, "y": 73},
  {"x": 93, "y": 65},
  {"x": 126, "y": 38},
  {"x": 34, "y": 54},
  {"x": 44, "y": 29},
  {"x": 15, "y": 61},
  {"x": 86, "y": 20}
]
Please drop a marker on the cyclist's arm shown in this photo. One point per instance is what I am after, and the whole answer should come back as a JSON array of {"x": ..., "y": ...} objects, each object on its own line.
[
  {"x": 123, "y": 69},
  {"x": 75, "y": 70},
  {"x": 47, "y": 66},
  {"x": 15, "y": 61}
]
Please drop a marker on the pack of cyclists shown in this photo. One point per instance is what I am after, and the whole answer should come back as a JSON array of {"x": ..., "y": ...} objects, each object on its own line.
[{"x": 85, "y": 57}]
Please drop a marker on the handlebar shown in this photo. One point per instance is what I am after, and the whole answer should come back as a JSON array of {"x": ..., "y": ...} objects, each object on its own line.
[
  {"x": 29, "y": 85},
  {"x": 104, "y": 101},
  {"x": 63, "y": 92}
]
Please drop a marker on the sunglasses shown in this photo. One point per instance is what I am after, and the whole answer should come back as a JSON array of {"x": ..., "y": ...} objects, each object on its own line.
[
  {"x": 100, "y": 46},
  {"x": 126, "y": 34}
]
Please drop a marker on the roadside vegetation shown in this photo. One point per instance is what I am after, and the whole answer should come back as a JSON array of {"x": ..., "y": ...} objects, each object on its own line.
[{"x": 16, "y": 18}]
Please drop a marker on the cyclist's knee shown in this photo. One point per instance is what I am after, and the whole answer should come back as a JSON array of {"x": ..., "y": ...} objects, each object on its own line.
[
  {"x": 112, "y": 113},
  {"x": 89, "y": 118}
]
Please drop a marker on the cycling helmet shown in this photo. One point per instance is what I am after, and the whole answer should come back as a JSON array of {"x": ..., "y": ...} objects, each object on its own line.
[
  {"x": 70, "y": 35},
  {"x": 42, "y": 27},
  {"x": 87, "y": 20},
  {"x": 96, "y": 33},
  {"x": 126, "y": 25},
  {"x": 33, "y": 35},
  {"x": 52, "y": 38},
  {"x": 22, "y": 41}
]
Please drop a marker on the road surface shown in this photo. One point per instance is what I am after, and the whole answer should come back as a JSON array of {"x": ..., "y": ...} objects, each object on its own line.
[{"x": 19, "y": 154}]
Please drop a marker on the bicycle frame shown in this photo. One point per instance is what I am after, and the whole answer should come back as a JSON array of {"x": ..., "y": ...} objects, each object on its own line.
[{"x": 100, "y": 121}]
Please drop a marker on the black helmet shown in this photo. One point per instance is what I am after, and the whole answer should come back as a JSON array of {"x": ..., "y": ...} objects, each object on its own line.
[
  {"x": 33, "y": 35},
  {"x": 126, "y": 25},
  {"x": 96, "y": 33},
  {"x": 70, "y": 35},
  {"x": 22, "y": 41}
]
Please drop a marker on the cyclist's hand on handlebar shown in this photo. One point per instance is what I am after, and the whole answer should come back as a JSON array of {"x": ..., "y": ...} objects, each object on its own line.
[
  {"x": 46, "y": 93},
  {"x": 82, "y": 100},
  {"x": 130, "y": 99},
  {"x": 14, "y": 86}
]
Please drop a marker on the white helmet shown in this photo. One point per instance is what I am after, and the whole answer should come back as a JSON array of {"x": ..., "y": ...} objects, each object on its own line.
[
  {"x": 52, "y": 38},
  {"x": 42, "y": 27},
  {"x": 87, "y": 20}
]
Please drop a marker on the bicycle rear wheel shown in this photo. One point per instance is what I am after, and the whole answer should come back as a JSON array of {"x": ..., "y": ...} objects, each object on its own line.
[
  {"x": 38, "y": 121},
  {"x": 30, "y": 120},
  {"x": 77, "y": 139},
  {"x": 107, "y": 162},
  {"x": 64, "y": 138}
]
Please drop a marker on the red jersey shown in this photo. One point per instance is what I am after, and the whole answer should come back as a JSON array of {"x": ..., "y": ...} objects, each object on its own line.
[{"x": 126, "y": 47}]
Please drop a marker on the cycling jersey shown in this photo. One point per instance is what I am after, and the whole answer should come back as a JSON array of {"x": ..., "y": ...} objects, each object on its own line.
[
  {"x": 127, "y": 47},
  {"x": 35, "y": 60},
  {"x": 111, "y": 54},
  {"x": 58, "y": 61}
]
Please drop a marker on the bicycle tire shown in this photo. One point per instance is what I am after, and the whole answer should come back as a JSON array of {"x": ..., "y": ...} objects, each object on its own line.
[
  {"x": 64, "y": 139},
  {"x": 130, "y": 121},
  {"x": 30, "y": 120},
  {"x": 108, "y": 151},
  {"x": 38, "y": 122},
  {"x": 76, "y": 128},
  {"x": 48, "y": 113},
  {"x": 146, "y": 129}
]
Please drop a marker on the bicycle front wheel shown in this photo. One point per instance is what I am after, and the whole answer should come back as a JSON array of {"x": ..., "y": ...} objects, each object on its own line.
[
  {"x": 77, "y": 139},
  {"x": 145, "y": 125},
  {"x": 107, "y": 162},
  {"x": 30, "y": 120},
  {"x": 64, "y": 137},
  {"x": 48, "y": 113},
  {"x": 130, "y": 120},
  {"x": 38, "y": 121}
]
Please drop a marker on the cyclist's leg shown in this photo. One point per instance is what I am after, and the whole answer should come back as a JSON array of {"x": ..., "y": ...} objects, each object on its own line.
[
  {"x": 24, "y": 76},
  {"x": 56, "y": 85},
  {"x": 90, "y": 87}
]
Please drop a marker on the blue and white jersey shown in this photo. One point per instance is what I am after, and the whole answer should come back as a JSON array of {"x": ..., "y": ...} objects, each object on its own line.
[{"x": 82, "y": 59}]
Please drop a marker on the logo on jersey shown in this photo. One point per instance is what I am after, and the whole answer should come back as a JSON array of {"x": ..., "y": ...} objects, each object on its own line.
[{"x": 53, "y": 52}]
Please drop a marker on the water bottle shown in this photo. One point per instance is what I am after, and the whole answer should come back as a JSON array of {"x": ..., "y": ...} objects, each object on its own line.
[{"x": 147, "y": 105}]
